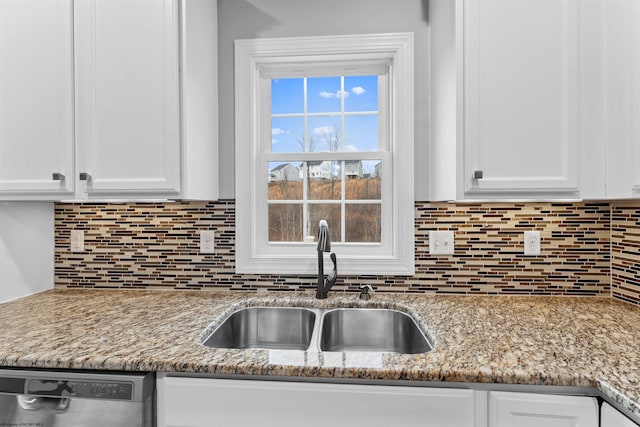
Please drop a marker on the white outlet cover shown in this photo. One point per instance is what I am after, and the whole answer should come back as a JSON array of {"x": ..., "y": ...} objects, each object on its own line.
[
  {"x": 77, "y": 241},
  {"x": 532, "y": 243},
  {"x": 207, "y": 242},
  {"x": 441, "y": 242}
]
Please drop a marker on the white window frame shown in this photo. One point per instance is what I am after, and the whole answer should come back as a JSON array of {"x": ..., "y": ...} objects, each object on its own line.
[{"x": 314, "y": 56}]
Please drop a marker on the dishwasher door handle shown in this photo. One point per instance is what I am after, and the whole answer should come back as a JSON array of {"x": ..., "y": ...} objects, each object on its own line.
[{"x": 54, "y": 405}]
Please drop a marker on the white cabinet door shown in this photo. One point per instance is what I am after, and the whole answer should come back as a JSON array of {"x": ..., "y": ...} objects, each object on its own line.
[
  {"x": 127, "y": 96},
  {"x": 36, "y": 98},
  {"x": 507, "y": 409},
  {"x": 635, "y": 94},
  {"x": 611, "y": 417},
  {"x": 622, "y": 98},
  {"x": 521, "y": 97},
  {"x": 205, "y": 402}
]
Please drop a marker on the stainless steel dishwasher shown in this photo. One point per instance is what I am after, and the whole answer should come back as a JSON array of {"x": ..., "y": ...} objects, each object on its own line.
[{"x": 76, "y": 399}]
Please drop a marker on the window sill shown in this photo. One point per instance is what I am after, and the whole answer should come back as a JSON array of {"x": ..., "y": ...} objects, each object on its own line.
[{"x": 308, "y": 265}]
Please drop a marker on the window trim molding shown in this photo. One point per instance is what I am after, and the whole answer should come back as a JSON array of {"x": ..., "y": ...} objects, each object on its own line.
[{"x": 250, "y": 58}]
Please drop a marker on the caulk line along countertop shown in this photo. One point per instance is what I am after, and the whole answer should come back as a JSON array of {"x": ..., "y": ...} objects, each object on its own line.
[{"x": 555, "y": 341}]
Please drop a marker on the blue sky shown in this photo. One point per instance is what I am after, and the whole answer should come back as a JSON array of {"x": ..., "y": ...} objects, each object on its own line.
[{"x": 324, "y": 96}]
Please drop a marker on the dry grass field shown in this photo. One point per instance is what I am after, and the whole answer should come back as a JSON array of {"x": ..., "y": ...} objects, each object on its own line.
[{"x": 362, "y": 220}]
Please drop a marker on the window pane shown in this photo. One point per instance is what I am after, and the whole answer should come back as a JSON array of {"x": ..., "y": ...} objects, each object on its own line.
[
  {"x": 363, "y": 223},
  {"x": 363, "y": 93},
  {"x": 361, "y": 133},
  {"x": 362, "y": 183},
  {"x": 325, "y": 134},
  {"x": 328, "y": 212},
  {"x": 324, "y": 95},
  {"x": 287, "y": 134},
  {"x": 323, "y": 180},
  {"x": 285, "y": 182},
  {"x": 285, "y": 222},
  {"x": 287, "y": 96}
]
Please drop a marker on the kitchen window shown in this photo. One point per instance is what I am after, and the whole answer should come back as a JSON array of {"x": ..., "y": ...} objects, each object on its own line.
[{"x": 324, "y": 130}]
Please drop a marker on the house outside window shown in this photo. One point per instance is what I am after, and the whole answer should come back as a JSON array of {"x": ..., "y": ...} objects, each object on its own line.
[
  {"x": 324, "y": 130},
  {"x": 284, "y": 172}
]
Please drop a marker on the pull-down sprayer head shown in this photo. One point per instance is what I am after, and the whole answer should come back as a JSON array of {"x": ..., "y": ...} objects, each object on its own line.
[{"x": 324, "y": 241}]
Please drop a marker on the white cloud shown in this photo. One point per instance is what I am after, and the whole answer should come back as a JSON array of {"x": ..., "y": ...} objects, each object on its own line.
[
  {"x": 350, "y": 148},
  {"x": 338, "y": 94},
  {"x": 324, "y": 130},
  {"x": 278, "y": 131},
  {"x": 358, "y": 90},
  {"x": 274, "y": 141}
]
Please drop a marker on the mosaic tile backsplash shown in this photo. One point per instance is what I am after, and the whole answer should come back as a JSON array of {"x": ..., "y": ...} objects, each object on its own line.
[
  {"x": 625, "y": 251},
  {"x": 587, "y": 249}
]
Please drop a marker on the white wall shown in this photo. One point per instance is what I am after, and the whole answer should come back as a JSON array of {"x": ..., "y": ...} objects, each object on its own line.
[
  {"x": 248, "y": 19},
  {"x": 26, "y": 248}
]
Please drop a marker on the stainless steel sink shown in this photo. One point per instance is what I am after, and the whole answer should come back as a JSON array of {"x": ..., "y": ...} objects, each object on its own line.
[
  {"x": 282, "y": 328},
  {"x": 316, "y": 329},
  {"x": 364, "y": 329}
]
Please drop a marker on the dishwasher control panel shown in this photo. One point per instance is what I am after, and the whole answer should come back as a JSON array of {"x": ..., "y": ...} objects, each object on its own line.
[{"x": 89, "y": 389}]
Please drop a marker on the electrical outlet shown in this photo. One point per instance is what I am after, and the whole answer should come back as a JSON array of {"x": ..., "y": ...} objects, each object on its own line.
[
  {"x": 77, "y": 241},
  {"x": 207, "y": 242},
  {"x": 532, "y": 243},
  {"x": 441, "y": 242}
]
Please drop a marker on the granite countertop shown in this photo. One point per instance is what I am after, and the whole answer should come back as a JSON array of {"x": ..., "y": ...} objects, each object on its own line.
[{"x": 556, "y": 341}]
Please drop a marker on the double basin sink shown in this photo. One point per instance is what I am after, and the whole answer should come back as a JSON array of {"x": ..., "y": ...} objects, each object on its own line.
[{"x": 314, "y": 329}]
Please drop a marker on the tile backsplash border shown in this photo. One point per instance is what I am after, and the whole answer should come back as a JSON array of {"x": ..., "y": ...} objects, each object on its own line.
[{"x": 588, "y": 249}]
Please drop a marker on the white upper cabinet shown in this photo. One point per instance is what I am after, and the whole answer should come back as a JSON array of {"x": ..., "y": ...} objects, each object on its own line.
[
  {"x": 521, "y": 96},
  {"x": 142, "y": 82},
  {"x": 36, "y": 98},
  {"x": 635, "y": 94},
  {"x": 516, "y": 90},
  {"x": 623, "y": 98},
  {"x": 127, "y": 95}
]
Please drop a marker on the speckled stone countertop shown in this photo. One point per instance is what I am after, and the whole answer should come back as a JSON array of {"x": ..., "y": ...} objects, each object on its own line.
[{"x": 559, "y": 341}]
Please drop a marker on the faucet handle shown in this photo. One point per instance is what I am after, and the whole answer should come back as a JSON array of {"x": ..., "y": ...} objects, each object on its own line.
[
  {"x": 333, "y": 274},
  {"x": 364, "y": 292},
  {"x": 334, "y": 260}
]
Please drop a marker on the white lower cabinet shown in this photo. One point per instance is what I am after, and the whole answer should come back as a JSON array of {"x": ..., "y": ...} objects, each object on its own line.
[
  {"x": 508, "y": 409},
  {"x": 185, "y": 401},
  {"x": 611, "y": 417},
  {"x": 207, "y": 402}
]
